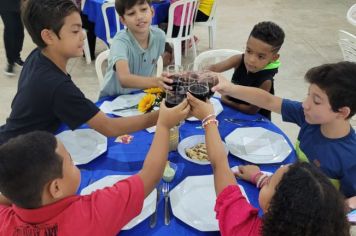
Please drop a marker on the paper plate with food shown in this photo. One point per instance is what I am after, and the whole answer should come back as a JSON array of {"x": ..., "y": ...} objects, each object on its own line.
[{"x": 193, "y": 149}]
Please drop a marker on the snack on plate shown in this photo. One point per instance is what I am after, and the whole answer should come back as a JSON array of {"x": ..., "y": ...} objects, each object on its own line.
[{"x": 197, "y": 152}]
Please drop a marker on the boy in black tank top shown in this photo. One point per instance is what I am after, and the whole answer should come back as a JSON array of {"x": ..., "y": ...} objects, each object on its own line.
[{"x": 257, "y": 66}]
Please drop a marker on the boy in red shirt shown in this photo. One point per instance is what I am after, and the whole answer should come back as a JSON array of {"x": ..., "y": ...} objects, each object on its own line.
[{"x": 39, "y": 179}]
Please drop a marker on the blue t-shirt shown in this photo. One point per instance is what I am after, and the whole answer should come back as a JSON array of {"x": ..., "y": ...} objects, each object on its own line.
[
  {"x": 141, "y": 61},
  {"x": 335, "y": 157}
]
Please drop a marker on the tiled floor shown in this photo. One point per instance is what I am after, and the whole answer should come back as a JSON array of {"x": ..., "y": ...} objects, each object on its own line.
[{"x": 311, "y": 29}]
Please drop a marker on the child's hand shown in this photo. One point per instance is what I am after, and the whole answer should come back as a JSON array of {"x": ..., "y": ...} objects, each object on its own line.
[
  {"x": 351, "y": 203},
  {"x": 163, "y": 82},
  {"x": 169, "y": 117},
  {"x": 199, "y": 109},
  {"x": 223, "y": 86},
  {"x": 247, "y": 172}
]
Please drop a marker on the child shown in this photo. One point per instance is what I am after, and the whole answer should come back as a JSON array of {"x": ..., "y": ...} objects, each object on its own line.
[
  {"x": 134, "y": 51},
  {"x": 39, "y": 178},
  {"x": 204, "y": 10},
  {"x": 326, "y": 138},
  {"x": 46, "y": 95},
  {"x": 257, "y": 66},
  {"x": 297, "y": 200}
]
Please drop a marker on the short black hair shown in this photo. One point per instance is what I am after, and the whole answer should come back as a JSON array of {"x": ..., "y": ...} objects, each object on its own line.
[
  {"x": 122, "y": 5},
  {"x": 305, "y": 204},
  {"x": 27, "y": 163},
  {"x": 269, "y": 33},
  {"x": 38, "y": 15},
  {"x": 338, "y": 80}
]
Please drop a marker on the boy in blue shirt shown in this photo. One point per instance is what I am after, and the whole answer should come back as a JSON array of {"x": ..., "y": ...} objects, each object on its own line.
[
  {"x": 326, "y": 137},
  {"x": 46, "y": 94},
  {"x": 134, "y": 51},
  {"x": 256, "y": 67}
]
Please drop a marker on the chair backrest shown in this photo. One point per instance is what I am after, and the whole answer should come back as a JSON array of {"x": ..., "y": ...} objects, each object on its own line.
[
  {"x": 188, "y": 10},
  {"x": 214, "y": 56},
  {"x": 212, "y": 13},
  {"x": 347, "y": 43},
  {"x": 99, "y": 64},
  {"x": 351, "y": 15},
  {"x": 112, "y": 26}
]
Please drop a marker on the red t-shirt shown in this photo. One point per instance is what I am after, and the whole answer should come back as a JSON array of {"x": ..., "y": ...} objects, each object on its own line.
[
  {"x": 104, "y": 212},
  {"x": 235, "y": 215}
]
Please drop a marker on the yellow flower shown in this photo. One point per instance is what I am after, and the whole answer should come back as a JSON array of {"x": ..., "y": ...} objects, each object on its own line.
[
  {"x": 153, "y": 90},
  {"x": 146, "y": 102}
]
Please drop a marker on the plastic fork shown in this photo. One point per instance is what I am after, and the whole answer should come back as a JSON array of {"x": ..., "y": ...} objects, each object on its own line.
[{"x": 165, "y": 191}]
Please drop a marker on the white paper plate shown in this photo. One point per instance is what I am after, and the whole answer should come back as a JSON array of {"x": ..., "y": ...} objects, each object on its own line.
[
  {"x": 149, "y": 205},
  {"x": 84, "y": 145},
  {"x": 193, "y": 201},
  {"x": 123, "y": 101},
  {"x": 190, "y": 142},
  {"x": 258, "y": 145},
  {"x": 218, "y": 108}
]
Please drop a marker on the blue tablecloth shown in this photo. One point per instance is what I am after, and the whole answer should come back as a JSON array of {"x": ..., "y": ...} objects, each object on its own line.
[
  {"x": 92, "y": 9},
  {"x": 128, "y": 159}
]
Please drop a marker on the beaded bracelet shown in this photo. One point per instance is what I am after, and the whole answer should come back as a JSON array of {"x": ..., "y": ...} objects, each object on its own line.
[
  {"x": 261, "y": 180},
  {"x": 214, "y": 121},
  {"x": 207, "y": 117},
  {"x": 254, "y": 177}
]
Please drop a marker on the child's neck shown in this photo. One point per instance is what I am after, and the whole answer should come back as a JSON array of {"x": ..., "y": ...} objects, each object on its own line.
[
  {"x": 142, "y": 39},
  {"x": 335, "y": 129},
  {"x": 60, "y": 61}
]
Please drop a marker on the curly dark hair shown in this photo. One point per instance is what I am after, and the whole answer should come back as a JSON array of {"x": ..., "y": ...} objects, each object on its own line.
[
  {"x": 338, "y": 82},
  {"x": 27, "y": 163},
  {"x": 270, "y": 33},
  {"x": 305, "y": 204}
]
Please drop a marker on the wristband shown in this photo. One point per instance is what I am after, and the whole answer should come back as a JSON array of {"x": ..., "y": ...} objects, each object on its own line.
[
  {"x": 211, "y": 121},
  {"x": 254, "y": 177},
  {"x": 207, "y": 117},
  {"x": 260, "y": 180}
]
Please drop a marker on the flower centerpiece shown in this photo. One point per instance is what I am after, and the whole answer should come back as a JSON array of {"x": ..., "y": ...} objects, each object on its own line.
[{"x": 153, "y": 98}]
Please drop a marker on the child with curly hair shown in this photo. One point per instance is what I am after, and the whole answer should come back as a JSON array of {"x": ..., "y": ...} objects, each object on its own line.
[{"x": 297, "y": 200}]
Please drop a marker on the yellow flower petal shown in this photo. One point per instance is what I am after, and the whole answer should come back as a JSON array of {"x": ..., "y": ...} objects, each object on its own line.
[
  {"x": 146, "y": 102},
  {"x": 153, "y": 90}
]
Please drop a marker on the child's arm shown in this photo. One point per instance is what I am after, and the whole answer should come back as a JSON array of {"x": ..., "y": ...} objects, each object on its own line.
[
  {"x": 4, "y": 200},
  {"x": 255, "y": 96},
  {"x": 155, "y": 162},
  {"x": 247, "y": 108},
  {"x": 351, "y": 203},
  {"x": 223, "y": 175},
  {"x": 128, "y": 80},
  {"x": 232, "y": 62},
  {"x": 113, "y": 127}
]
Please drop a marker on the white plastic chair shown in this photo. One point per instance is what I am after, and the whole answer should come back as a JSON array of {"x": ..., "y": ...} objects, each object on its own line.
[
  {"x": 347, "y": 43},
  {"x": 215, "y": 56},
  {"x": 351, "y": 15},
  {"x": 190, "y": 8},
  {"x": 106, "y": 5},
  {"x": 86, "y": 43},
  {"x": 211, "y": 24},
  {"x": 103, "y": 56}
]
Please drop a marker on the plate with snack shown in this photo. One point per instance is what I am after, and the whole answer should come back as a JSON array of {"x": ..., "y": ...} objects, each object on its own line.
[{"x": 193, "y": 149}]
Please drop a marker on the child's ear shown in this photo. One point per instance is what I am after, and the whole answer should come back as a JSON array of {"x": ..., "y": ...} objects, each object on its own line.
[
  {"x": 54, "y": 189},
  {"x": 275, "y": 57},
  {"x": 153, "y": 11},
  {"x": 122, "y": 20},
  {"x": 344, "y": 112},
  {"x": 47, "y": 36}
]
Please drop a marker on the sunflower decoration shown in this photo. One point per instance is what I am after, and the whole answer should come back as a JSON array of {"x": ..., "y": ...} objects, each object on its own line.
[{"x": 153, "y": 98}]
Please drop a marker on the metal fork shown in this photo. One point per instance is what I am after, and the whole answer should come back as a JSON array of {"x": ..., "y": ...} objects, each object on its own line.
[{"x": 165, "y": 191}]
